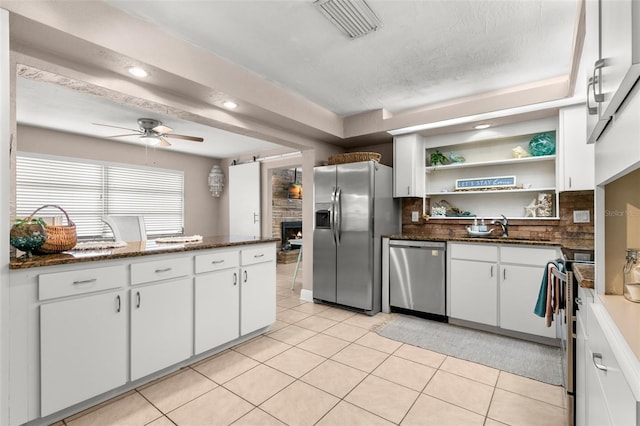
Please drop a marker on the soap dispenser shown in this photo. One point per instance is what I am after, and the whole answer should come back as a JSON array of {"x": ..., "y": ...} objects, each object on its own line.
[
  {"x": 483, "y": 226},
  {"x": 474, "y": 228}
]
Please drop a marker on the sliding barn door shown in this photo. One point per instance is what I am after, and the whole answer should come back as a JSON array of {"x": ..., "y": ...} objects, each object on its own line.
[{"x": 244, "y": 200}]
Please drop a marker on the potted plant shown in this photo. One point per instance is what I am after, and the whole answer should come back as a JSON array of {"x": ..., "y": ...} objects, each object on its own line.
[{"x": 437, "y": 158}]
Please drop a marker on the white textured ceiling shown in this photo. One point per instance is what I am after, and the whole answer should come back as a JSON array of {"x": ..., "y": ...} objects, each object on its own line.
[{"x": 427, "y": 52}]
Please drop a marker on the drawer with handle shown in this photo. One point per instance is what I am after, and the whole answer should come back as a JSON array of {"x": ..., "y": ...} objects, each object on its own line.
[
  {"x": 160, "y": 270},
  {"x": 81, "y": 281},
  {"x": 258, "y": 255},
  {"x": 217, "y": 260}
]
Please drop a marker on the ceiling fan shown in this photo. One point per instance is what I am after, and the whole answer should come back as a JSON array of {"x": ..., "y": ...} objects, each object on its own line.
[{"x": 152, "y": 132}]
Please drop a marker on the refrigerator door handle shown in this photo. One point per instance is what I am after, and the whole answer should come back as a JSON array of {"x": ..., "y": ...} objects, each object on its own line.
[
  {"x": 338, "y": 213},
  {"x": 332, "y": 216}
]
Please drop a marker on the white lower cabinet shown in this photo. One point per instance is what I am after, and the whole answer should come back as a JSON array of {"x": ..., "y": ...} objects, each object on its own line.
[
  {"x": 610, "y": 399},
  {"x": 474, "y": 291},
  {"x": 584, "y": 300},
  {"x": 498, "y": 285},
  {"x": 217, "y": 309},
  {"x": 83, "y": 349},
  {"x": 161, "y": 326},
  {"x": 257, "y": 289},
  {"x": 521, "y": 271}
]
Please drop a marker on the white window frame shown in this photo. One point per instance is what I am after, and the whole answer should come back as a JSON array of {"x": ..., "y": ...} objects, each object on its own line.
[{"x": 88, "y": 216}]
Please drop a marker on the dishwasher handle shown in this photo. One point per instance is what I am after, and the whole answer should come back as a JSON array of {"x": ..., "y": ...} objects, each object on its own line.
[{"x": 433, "y": 245}]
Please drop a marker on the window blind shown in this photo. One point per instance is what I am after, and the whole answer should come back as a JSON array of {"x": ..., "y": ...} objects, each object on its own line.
[{"x": 88, "y": 190}]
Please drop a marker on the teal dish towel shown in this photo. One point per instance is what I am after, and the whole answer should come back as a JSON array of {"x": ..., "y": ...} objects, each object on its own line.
[{"x": 541, "y": 304}]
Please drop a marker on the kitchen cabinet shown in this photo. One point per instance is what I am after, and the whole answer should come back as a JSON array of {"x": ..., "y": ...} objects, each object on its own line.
[
  {"x": 616, "y": 68},
  {"x": 70, "y": 347},
  {"x": 521, "y": 269},
  {"x": 611, "y": 400},
  {"x": 498, "y": 285},
  {"x": 257, "y": 289},
  {"x": 161, "y": 325},
  {"x": 83, "y": 348},
  {"x": 473, "y": 283},
  {"x": 584, "y": 300},
  {"x": 577, "y": 165},
  {"x": 217, "y": 299},
  {"x": 408, "y": 166},
  {"x": 489, "y": 154}
]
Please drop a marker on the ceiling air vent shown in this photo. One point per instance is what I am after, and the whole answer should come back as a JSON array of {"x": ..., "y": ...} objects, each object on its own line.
[{"x": 355, "y": 18}]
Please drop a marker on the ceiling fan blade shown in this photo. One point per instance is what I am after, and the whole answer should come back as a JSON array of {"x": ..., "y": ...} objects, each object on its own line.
[
  {"x": 163, "y": 142},
  {"x": 187, "y": 138},
  {"x": 128, "y": 134},
  {"x": 115, "y": 127},
  {"x": 162, "y": 129}
]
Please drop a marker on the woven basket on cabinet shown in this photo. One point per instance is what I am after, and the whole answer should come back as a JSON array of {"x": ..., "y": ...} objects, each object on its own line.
[
  {"x": 354, "y": 157},
  {"x": 59, "y": 237}
]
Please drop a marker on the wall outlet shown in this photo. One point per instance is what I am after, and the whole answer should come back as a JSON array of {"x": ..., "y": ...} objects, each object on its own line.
[
  {"x": 581, "y": 216},
  {"x": 414, "y": 216}
]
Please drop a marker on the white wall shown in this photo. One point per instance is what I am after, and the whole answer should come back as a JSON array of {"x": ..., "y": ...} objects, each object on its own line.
[{"x": 200, "y": 208}]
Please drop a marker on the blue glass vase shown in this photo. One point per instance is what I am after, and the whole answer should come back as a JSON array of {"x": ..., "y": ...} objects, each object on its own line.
[{"x": 542, "y": 144}]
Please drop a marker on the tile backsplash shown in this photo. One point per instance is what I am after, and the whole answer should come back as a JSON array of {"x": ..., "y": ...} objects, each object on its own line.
[{"x": 562, "y": 230}]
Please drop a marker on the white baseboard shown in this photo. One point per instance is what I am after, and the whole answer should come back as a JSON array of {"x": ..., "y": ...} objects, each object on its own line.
[{"x": 306, "y": 295}]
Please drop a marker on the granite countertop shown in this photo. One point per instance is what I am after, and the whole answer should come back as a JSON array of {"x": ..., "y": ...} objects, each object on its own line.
[
  {"x": 495, "y": 240},
  {"x": 133, "y": 249},
  {"x": 584, "y": 274}
]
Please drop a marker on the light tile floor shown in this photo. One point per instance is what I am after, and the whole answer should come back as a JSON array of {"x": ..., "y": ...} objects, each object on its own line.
[{"x": 319, "y": 365}]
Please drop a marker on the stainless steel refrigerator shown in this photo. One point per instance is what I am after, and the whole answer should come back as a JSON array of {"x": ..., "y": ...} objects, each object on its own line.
[{"x": 353, "y": 209}]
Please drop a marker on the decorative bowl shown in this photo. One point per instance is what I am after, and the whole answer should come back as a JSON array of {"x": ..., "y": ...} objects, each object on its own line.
[
  {"x": 542, "y": 144},
  {"x": 27, "y": 236},
  {"x": 473, "y": 233}
]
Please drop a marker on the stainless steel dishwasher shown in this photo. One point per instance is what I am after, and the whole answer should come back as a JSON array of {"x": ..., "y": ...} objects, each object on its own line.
[{"x": 417, "y": 276}]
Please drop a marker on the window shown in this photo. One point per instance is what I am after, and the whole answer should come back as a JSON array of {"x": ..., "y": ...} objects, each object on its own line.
[{"x": 88, "y": 190}]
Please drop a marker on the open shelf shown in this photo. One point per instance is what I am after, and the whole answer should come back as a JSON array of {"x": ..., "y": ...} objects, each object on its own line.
[
  {"x": 491, "y": 163},
  {"x": 493, "y": 191}
]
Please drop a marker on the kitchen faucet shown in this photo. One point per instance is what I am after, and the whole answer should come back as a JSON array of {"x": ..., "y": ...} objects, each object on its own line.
[{"x": 503, "y": 224}]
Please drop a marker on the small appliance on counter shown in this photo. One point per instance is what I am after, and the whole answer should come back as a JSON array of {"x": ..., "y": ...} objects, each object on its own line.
[{"x": 632, "y": 276}]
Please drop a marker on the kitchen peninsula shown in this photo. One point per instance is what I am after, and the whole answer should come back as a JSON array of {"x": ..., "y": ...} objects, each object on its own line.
[{"x": 88, "y": 325}]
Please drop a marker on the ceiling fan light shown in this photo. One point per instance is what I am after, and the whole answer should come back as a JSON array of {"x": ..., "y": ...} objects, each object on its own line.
[
  {"x": 138, "y": 72},
  {"x": 353, "y": 17},
  {"x": 230, "y": 105},
  {"x": 149, "y": 139}
]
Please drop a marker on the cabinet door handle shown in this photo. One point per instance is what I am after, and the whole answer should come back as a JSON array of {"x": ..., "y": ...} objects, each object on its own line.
[
  {"x": 216, "y": 262},
  {"x": 91, "y": 280},
  {"x": 235, "y": 278},
  {"x": 408, "y": 190},
  {"x": 578, "y": 301},
  {"x": 138, "y": 299},
  {"x": 258, "y": 255},
  {"x": 119, "y": 303},
  {"x": 569, "y": 181},
  {"x": 592, "y": 110},
  {"x": 245, "y": 275},
  {"x": 491, "y": 271},
  {"x": 599, "y": 365},
  {"x": 598, "y": 96},
  {"x": 163, "y": 270},
  {"x": 504, "y": 274}
]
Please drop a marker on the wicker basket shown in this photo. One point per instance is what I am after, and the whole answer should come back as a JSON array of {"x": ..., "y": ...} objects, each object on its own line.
[
  {"x": 354, "y": 157},
  {"x": 59, "y": 237}
]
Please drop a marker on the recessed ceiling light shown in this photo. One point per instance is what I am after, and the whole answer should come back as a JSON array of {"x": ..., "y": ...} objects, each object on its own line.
[
  {"x": 138, "y": 72},
  {"x": 230, "y": 105},
  {"x": 482, "y": 126}
]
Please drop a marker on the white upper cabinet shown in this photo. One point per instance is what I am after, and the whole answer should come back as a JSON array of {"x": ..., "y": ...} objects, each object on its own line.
[
  {"x": 408, "y": 166},
  {"x": 616, "y": 67},
  {"x": 576, "y": 168}
]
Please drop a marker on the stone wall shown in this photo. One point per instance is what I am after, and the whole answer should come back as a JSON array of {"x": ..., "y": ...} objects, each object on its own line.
[
  {"x": 284, "y": 208},
  {"x": 563, "y": 230}
]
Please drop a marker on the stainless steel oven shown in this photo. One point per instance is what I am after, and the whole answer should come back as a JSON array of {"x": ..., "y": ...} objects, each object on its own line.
[{"x": 565, "y": 320}]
